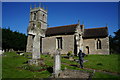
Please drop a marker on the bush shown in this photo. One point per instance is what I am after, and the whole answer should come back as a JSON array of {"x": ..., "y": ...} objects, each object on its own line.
[{"x": 69, "y": 53}]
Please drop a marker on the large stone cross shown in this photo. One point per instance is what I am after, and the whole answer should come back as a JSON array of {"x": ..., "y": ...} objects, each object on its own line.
[
  {"x": 36, "y": 47},
  {"x": 57, "y": 64}
]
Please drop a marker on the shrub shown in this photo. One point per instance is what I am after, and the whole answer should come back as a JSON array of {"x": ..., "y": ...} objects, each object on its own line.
[{"x": 69, "y": 53}]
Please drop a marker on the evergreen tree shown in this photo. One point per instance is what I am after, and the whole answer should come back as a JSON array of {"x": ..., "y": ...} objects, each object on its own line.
[
  {"x": 13, "y": 40},
  {"x": 115, "y": 42}
]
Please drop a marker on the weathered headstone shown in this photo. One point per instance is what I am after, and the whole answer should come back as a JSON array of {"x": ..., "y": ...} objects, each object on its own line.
[{"x": 57, "y": 64}]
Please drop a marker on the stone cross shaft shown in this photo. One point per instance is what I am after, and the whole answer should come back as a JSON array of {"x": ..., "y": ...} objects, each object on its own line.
[
  {"x": 36, "y": 47},
  {"x": 57, "y": 63}
]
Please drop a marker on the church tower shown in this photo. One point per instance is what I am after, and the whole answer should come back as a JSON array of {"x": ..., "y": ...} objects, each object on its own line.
[{"x": 36, "y": 30}]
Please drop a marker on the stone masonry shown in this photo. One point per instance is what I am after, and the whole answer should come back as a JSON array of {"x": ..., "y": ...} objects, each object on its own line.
[
  {"x": 67, "y": 38},
  {"x": 36, "y": 30}
]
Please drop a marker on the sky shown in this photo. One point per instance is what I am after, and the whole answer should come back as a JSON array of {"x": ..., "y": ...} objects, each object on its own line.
[{"x": 92, "y": 14}]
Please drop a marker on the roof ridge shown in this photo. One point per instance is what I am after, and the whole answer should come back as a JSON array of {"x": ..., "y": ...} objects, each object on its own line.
[
  {"x": 62, "y": 26},
  {"x": 96, "y": 28}
]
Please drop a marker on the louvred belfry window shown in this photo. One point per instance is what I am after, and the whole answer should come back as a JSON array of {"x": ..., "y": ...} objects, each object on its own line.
[{"x": 34, "y": 16}]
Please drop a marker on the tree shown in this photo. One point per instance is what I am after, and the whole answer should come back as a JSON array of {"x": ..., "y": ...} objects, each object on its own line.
[
  {"x": 13, "y": 40},
  {"x": 115, "y": 42}
]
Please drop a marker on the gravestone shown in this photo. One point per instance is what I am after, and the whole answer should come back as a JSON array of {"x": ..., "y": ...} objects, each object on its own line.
[
  {"x": 57, "y": 64},
  {"x": 67, "y": 73}
]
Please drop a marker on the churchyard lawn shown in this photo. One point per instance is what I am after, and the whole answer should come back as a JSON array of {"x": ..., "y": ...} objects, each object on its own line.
[{"x": 15, "y": 66}]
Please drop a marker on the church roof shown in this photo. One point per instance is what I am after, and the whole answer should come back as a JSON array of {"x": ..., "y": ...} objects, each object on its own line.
[
  {"x": 70, "y": 29},
  {"x": 67, "y": 29},
  {"x": 95, "y": 32}
]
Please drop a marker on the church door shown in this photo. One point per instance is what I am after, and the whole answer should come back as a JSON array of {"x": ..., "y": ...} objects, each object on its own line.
[{"x": 87, "y": 49}]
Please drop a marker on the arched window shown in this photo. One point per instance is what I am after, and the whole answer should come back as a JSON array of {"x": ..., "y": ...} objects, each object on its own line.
[
  {"x": 34, "y": 25},
  {"x": 43, "y": 16},
  {"x": 59, "y": 42},
  {"x": 87, "y": 49},
  {"x": 99, "y": 44},
  {"x": 34, "y": 16}
]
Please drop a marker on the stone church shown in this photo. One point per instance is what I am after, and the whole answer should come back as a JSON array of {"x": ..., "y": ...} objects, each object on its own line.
[{"x": 43, "y": 39}]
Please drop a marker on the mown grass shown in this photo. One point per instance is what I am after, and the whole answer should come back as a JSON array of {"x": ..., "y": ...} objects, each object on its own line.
[
  {"x": 9, "y": 68},
  {"x": 12, "y": 61},
  {"x": 100, "y": 62},
  {"x": 109, "y": 63},
  {"x": 102, "y": 76},
  {"x": 103, "y": 62}
]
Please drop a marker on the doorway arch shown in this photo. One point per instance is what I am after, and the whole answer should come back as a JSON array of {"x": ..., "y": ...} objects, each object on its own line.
[{"x": 87, "y": 50}]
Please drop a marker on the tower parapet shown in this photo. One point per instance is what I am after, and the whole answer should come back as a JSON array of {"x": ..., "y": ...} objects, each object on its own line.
[{"x": 38, "y": 21}]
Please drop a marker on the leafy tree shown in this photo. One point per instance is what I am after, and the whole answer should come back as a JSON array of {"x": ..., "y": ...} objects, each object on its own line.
[
  {"x": 115, "y": 42},
  {"x": 13, "y": 40}
]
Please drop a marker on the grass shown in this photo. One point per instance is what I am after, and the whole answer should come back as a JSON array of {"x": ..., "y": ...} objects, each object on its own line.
[
  {"x": 103, "y": 62},
  {"x": 103, "y": 75},
  {"x": 12, "y": 61}
]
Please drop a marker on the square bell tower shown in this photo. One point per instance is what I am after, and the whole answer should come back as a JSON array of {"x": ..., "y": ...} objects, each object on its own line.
[
  {"x": 36, "y": 30},
  {"x": 38, "y": 21}
]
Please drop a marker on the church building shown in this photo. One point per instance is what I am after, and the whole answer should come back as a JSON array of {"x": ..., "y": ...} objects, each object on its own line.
[{"x": 67, "y": 38}]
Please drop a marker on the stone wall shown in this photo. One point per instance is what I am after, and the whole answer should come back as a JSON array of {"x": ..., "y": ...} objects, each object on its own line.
[
  {"x": 92, "y": 45},
  {"x": 49, "y": 44},
  {"x": 68, "y": 44},
  {"x": 29, "y": 46}
]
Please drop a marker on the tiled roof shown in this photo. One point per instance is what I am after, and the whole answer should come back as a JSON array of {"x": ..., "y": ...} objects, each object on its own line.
[
  {"x": 95, "y": 32},
  {"x": 67, "y": 29},
  {"x": 70, "y": 29}
]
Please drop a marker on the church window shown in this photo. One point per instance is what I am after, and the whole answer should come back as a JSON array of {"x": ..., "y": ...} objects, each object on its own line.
[
  {"x": 34, "y": 25},
  {"x": 81, "y": 28},
  {"x": 87, "y": 49},
  {"x": 43, "y": 17},
  {"x": 34, "y": 16},
  {"x": 99, "y": 44},
  {"x": 59, "y": 43}
]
